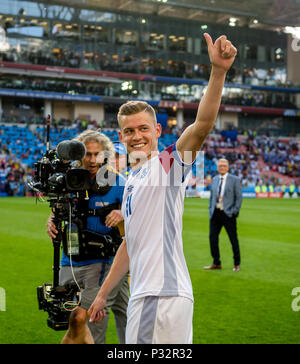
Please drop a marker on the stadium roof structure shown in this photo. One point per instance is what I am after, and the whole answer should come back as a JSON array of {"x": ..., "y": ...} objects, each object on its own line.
[{"x": 262, "y": 14}]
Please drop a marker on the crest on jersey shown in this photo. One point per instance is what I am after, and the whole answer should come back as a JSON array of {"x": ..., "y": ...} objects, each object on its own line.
[{"x": 130, "y": 188}]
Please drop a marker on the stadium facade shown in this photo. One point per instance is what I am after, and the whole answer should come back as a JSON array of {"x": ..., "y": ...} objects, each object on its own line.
[{"x": 80, "y": 61}]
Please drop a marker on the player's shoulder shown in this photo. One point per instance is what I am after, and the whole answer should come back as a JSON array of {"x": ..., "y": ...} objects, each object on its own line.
[
  {"x": 168, "y": 150},
  {"x": 167, "y": 156}
]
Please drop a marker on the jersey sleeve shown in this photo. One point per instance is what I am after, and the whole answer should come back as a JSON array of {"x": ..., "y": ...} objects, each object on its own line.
[{"x": 174, "y": 166}]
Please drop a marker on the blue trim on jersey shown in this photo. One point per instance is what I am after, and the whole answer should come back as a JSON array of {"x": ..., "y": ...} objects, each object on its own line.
[
  {"x": 135, "y": 171},
  {"x": 115, "y": 195},
  {"x": 177, "y": 156},
  {"x": 187, "y": 166}
]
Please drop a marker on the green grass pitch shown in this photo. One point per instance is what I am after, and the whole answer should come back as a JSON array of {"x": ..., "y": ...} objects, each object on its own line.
[{"x": 250, "y": 306}]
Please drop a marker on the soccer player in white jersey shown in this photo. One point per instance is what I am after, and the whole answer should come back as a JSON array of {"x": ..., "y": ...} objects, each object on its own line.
[{"x": 161, "y": 302}]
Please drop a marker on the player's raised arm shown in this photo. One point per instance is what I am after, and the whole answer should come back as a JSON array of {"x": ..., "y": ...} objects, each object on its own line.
[{"x": 222, "y": 54}]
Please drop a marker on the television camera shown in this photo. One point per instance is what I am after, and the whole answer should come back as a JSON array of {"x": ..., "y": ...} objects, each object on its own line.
[{"x": 66, "y": 188}]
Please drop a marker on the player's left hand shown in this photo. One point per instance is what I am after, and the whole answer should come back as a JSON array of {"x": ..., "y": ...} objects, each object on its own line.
[
  {"x": 96, "y": 311},
  {"x": 113, "y": 218},
  {"x": 221, "y": 52}
]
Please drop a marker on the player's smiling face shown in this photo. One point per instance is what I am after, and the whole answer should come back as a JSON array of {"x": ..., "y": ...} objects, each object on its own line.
[{"x": 139, "y": 132}]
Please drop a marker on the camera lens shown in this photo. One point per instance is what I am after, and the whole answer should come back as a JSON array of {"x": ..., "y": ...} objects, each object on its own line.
[{"x": 78, "y": 179}]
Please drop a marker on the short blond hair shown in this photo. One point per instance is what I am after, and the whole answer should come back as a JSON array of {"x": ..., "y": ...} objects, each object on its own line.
[{"x": 135, "y": 107}]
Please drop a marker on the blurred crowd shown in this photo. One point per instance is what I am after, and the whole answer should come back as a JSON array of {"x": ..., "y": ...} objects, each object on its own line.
[
  {"x": 253, "y": 156},
  {"x": 14, "y": 173},
  {"x": 243, "y": 98},
  {"x": 13, "y": 176},
  {"x": 257, "y": 160},
  {"x": 260, "y": 99},
  {"x": 153, "y": 66},
  {"x": 278, "y": 156}
]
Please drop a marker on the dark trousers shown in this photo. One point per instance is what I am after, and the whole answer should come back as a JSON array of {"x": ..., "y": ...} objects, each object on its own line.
[{"x": 218, "y": 220}]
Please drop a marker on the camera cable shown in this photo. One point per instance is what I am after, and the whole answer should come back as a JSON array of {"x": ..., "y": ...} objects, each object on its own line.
[{"x": 71, "y": 305}]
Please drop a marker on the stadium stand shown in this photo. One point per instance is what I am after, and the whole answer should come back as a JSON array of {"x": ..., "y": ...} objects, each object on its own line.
[
  {"x": 256, "y": 160},
  {"x": 79, "y": 68},
  {"x": 130, "y": 64}
]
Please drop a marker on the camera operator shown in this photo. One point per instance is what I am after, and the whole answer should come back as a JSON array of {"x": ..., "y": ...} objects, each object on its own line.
[{"x": 90, "y": 273}]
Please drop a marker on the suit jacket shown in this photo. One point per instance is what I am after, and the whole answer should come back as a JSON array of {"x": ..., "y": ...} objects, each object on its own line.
[{"x": 232, "y": 198}]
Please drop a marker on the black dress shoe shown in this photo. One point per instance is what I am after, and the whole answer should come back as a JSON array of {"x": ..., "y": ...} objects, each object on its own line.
[{"x": 213, "y": 266}]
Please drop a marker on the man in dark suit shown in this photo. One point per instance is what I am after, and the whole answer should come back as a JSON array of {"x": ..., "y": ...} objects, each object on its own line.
[{"x": 224, "y": 206}]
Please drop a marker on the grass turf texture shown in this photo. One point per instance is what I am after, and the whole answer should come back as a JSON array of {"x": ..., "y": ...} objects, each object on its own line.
[{"x": 250, "y": 306}]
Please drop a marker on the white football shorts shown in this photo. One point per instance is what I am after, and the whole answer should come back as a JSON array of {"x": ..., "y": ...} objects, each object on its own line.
[{"x": 160, "y": 320}]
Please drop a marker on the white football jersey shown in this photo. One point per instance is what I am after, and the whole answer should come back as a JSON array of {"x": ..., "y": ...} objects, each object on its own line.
[{"x": 152, "y": 207}]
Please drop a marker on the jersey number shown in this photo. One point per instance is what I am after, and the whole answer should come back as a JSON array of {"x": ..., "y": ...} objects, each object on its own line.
[{"x": 128, "y": 205}]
